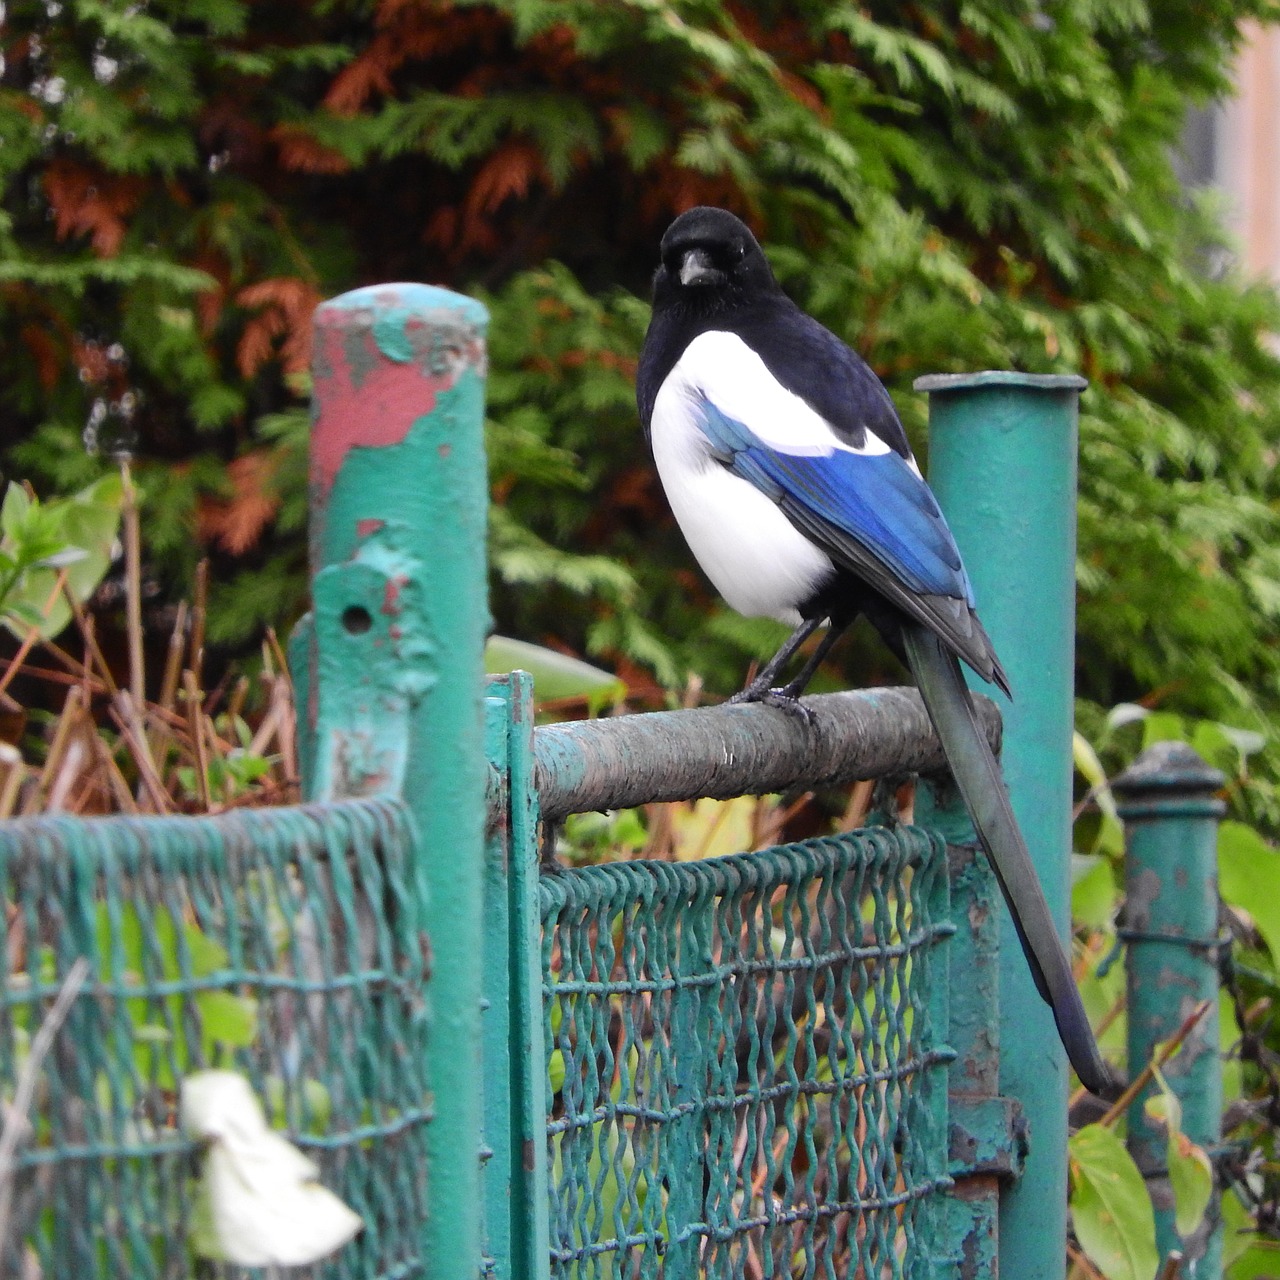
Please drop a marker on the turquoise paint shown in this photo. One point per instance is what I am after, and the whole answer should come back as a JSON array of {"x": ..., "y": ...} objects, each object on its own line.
[
  {"x": 963, "y": 1238},
  {"x": 515, "y": 1079},
  {"x": 1170, "y": 808},
  {"x": 1002, "y": 452},
  {"x": 399, "y": 504}
]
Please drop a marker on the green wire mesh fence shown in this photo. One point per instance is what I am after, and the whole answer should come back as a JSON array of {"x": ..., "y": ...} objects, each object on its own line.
[
  {"x": 744, "y": 1066},
  {"x": 282, "y": 943}
]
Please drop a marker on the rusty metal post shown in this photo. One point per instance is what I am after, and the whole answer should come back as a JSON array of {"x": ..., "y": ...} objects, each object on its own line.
[
  {"x": 1170, "y": 810},
  {"x": 986, "y": 1135},
  {"x": 398, "y": 509}
]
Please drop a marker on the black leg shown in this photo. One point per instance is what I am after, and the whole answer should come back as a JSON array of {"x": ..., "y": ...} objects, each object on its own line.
[
  {"x": 768, "y": 673},
  {"x": 794, "y": 688}
]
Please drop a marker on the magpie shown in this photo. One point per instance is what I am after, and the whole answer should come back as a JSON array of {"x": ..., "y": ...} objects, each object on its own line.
[{"x": 791, "y": 477}]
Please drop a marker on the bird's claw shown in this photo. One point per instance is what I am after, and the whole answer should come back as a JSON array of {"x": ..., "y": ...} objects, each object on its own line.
[{"x": 780, "y": 698}]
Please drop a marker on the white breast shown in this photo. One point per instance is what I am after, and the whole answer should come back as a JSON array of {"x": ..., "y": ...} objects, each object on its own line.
[{"x": 755, "y": 557}]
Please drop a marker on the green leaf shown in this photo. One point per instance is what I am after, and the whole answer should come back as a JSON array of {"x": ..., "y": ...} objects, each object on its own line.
[
  {"x": 1093, "y": 890},
  {"x": 1110, "y": 836},
  {"x": 1246, "y": 1256},
  {"x": 14, "y": 510},
  {"x": 1249, "y": 878},
  {"x": 555, "y": 675},
  {"x": 1163, "y": 726},
  {"x": 1190, "y": 1170},
  {"x": 555, "y": 1070},
  {"x": 228, "y": 1020},
  {"x": 74, "y": 534},
  {"x": 1110, "y": 1208}
]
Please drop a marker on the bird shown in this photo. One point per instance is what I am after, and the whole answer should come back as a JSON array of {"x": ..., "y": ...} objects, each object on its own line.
[{"x": 791, "y": 477}]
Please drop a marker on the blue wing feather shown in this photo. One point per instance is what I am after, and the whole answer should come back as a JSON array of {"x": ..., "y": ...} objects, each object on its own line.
[{"x": 875, "y": 499}]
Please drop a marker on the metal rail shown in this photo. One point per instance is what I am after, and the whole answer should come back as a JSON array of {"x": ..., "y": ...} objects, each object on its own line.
[{"x": 728, "y": 751}]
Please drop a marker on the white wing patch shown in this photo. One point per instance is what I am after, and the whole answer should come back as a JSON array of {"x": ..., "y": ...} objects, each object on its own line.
[
  {"x": 755, "y": 557},
  {"x": 722, "y": 368}
]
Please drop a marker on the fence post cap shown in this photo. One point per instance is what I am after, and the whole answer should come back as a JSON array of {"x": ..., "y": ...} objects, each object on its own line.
[
  {"x": 1168, "y": 766},
  {"x": 1000, "y": 378},
  {"x": 406, "y": 296}
]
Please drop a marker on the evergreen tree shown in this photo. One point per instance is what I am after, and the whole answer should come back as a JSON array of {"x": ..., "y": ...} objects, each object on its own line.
[{"x": 950, "y": 187}]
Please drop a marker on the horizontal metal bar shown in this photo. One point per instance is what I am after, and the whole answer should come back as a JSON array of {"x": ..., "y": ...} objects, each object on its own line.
[{"x": 728, "y": 751}]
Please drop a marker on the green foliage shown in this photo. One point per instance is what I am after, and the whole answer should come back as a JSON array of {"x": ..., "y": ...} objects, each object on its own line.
[
  {"x": 1110, "y": 1208},
  {"x": 988, "y": 186},
  {"x": 162, "y": 1049},
  {"x": 40, "y": 541},
  {"x": 556, "y": 676},
  {"x": 1190, "y": 1171},
  {"x": 1249, "y": 888}
]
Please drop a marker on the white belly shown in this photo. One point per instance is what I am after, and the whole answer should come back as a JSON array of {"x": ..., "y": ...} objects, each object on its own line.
[{"x": 755, "y": 557}]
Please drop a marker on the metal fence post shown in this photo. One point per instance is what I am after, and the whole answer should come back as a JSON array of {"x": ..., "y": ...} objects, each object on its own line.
[
  {"x": 1002, "y": 452},
  {"x": 1171, "y": 813},
  {"x": 984, "y": 1135},
  {"x": 398, "y": 511},
  {"x": 515, "y": 1077}
]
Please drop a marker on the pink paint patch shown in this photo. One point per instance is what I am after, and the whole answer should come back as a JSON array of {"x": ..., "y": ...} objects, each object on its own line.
[
  {"x": 364, "y": 399},
  {"x": 366, "y": 528},
  {"x": 391, "y": 595}
]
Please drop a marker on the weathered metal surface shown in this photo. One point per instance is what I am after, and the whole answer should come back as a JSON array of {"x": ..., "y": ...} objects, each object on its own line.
[
  {"x": 736, "y": 750},
  {"x": 384, "y": 355},
  {"x": 1170, "y": 809},
  {"x": 516, "y": 1238},
  {"x": 1002, "y": 455},
  {"x": 747, "y": 1067},
  {"x": 276, "y": 940},
  {"x": 965, "y": 1238},
  {"x": 988, "y": 1136},
  {"x": 373, "y": 642},
  {"x": 390, "y": 671}
]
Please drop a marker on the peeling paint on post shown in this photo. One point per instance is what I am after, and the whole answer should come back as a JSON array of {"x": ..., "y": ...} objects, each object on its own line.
[
  {"x": 1002, "y": 460},
  {"x": 1168, "y": 801},
  {"x": 389, "y": 668},
  {"x": 986, "y": 1141}
]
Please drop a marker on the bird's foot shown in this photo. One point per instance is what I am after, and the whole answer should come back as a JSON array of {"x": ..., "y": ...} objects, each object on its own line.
[{"x": 783, "y": 699}]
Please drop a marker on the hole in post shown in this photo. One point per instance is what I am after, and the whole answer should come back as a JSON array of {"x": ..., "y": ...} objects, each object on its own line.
[{"x": 356, "y": 619}]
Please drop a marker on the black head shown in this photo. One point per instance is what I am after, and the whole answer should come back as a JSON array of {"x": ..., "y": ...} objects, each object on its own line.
[{"x": 710, "y": 261}]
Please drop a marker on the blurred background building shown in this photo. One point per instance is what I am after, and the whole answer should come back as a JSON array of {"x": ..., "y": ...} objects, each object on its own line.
[{"x": 1234, "y": 147}]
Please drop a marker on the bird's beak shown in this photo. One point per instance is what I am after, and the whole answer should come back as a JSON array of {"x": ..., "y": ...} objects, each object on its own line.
[{"x": 696, "y": 268}]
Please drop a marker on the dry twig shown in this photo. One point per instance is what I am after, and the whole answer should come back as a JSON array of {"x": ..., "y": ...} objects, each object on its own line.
[{"x": 16, "y": 1122}]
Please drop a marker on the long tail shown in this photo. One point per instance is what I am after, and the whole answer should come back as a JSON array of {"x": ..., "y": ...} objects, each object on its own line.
[{"x": 937, "y": 672}]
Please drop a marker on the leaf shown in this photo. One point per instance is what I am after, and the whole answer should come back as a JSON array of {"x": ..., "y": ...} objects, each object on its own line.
[
  {"x": 555, "y": 1071},
  {"x": 62, "y": 559},
  {"x": 1093, "y": 890},
  {"x": 16, "y": 505},
  {"x": 1190, "y": 1170},
  {"x": 1126, "y": 713},
  {"x": 76, "y": 534},
  {"x": 1110, "y": 837},
  {"x": 1110, "y": 1208},
  {"x": 555, "y": 675},
  {"x": 1163, "y": 726},
  {"x": 227, "y": 1019},
  {"x": 1249, "y": 878}
]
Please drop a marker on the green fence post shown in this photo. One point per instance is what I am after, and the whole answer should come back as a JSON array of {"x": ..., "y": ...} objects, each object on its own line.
[
  {"x": 1171, "y": 813},
  {"x": 398, "y": 510},
  {"x": 985, "y": 1133},
  {"x": 1002, "y": 454},
  {"x": 516, "y": 1207}
]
